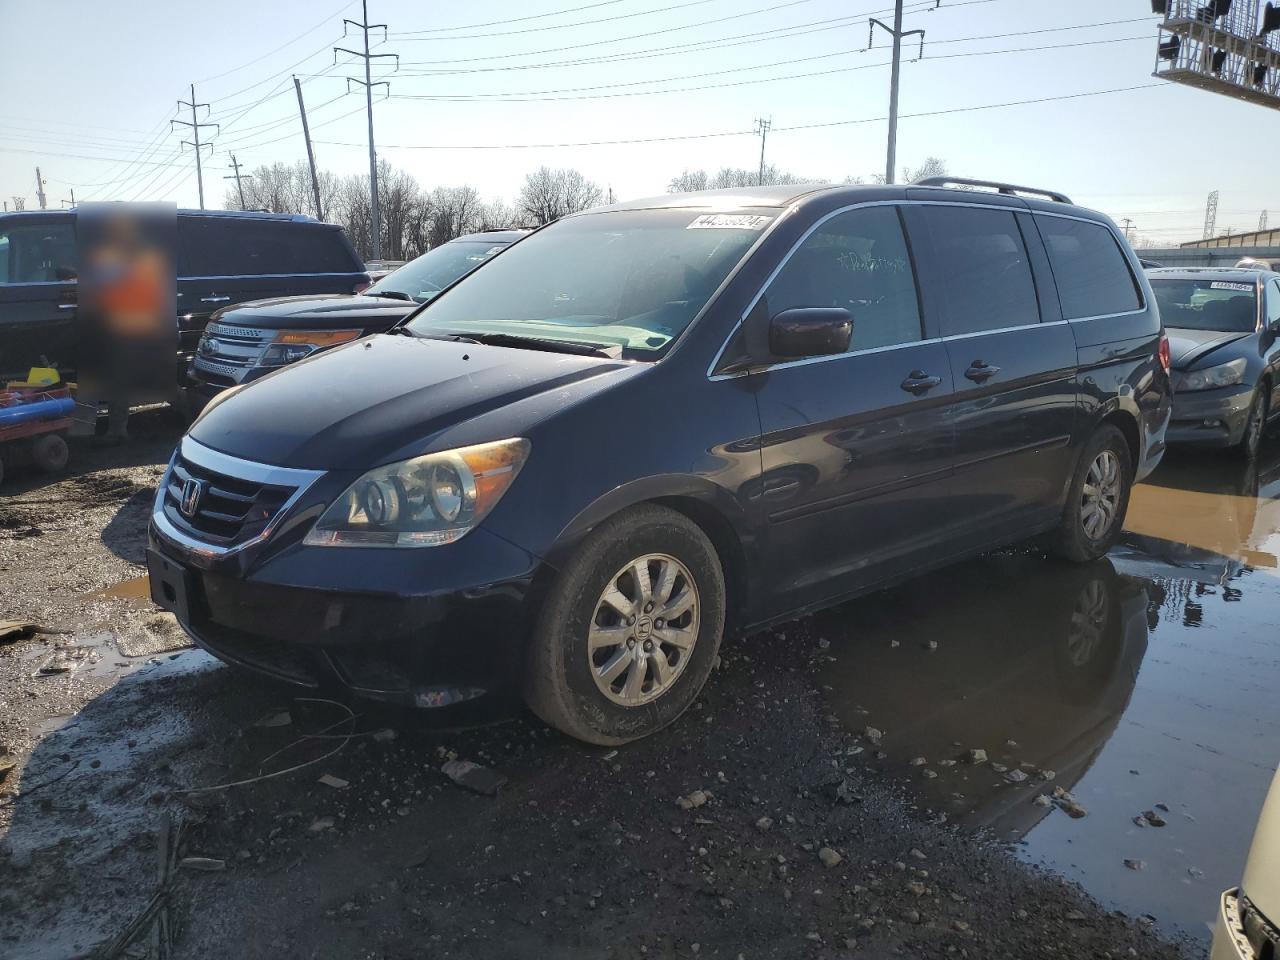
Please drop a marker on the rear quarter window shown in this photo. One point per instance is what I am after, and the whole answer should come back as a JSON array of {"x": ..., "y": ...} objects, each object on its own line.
[
  {"x": 1092, "y": 274},
  {"x": 231, "y": 247}
]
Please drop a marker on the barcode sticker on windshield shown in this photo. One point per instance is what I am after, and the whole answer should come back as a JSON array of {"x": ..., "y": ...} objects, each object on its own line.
[
  {"x": 1225, "y": 285},
  {"x": 729, "y": 221}
]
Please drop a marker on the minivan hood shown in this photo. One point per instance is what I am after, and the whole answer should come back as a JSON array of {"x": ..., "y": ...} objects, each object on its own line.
[
  {"x": 1188, "y": 346},
  {"x": 355, "y": 406},
  {"x": 322, "y": 311}
]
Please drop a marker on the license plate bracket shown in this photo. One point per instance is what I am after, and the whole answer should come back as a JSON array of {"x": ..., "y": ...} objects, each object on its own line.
[{"x": 170, "y": 585}]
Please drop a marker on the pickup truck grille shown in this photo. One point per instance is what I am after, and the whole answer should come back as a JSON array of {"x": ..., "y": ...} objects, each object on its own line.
[{"x": 228, "y": 510}]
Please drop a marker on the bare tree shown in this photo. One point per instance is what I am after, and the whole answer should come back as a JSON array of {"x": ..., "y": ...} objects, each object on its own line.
[
  {"x": 548, "y": 194},
  {"x": 932, "y": 167},
  {"x": 688, "y": 181}
]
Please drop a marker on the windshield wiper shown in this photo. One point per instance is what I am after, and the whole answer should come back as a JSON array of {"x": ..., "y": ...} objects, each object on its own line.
[
  {"x": 391, "y": 295},
  {"x": 609, "y": 352}
]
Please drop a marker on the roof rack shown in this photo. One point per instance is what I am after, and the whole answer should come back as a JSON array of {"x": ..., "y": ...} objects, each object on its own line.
[{"x": 1008, "y": 189}]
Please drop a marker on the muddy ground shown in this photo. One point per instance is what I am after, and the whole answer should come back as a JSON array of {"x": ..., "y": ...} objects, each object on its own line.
[{"x": 767, "y": 822}]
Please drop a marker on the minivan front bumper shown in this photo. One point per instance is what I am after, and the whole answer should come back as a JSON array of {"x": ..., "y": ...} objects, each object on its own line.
[{"x": 420, "y": 627}]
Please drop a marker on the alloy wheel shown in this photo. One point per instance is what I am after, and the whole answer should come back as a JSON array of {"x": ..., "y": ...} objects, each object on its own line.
[
  {"x": 1100, "y": 498},
  {"x": 1257, "y": 423},
  {"x": 643, "y": 629},
  {"x": 1088, "y": 623}
]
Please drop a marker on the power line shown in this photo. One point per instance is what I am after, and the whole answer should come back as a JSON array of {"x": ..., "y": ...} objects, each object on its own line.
[
  {"x": 534, "y": 16},
  {"x": 411, "y": 34},
  {"x": 500, "y": 98},
  {"x": 273, "y": 52},
  {"x": 742, "y": 133}
]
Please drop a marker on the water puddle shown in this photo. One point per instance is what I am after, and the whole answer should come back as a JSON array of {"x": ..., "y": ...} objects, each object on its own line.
[
  {"x": 1143, "y": 682},
  {"x": 135, "y": 588}
]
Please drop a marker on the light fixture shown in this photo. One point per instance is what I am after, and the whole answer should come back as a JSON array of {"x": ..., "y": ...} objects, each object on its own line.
[
  {"x": 1169, "y": 48},
  {"x": 1219, "y": 61},
  {"x": 1160, "y": 6},
  {"x": 1259, "y": 74}
]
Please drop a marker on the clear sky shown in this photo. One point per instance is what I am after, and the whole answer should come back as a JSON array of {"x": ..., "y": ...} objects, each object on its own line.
[{"x": 91, "y": 87}]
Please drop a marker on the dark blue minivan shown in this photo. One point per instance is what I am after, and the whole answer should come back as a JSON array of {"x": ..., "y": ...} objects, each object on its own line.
[{"x": 644, "y": 426}]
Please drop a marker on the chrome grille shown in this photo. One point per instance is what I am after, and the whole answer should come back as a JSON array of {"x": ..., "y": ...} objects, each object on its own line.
[
  {"x": 226, "y": 349},
  {"x": 228, "y": 510}
]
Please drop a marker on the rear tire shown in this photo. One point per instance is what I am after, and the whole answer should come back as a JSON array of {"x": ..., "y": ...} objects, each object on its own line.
[
  {"x": 1097, "y": 499},
  {"x": 603, "y": 665},
  {"x": 1255, "y": 427},
  {"x": 50, "y": 453}
]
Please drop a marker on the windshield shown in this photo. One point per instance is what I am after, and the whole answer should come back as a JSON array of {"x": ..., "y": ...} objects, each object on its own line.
[
  {"x": 1227, "y": 305},
  {"x": 632, "y": 278},
  {"x": 423, "y": 278}
]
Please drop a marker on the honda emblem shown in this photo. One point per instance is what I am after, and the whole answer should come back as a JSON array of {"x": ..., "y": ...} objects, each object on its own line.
[{"x": 192, "y": 491}]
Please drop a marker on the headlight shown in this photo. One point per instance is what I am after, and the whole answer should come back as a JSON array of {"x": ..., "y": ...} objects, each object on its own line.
[
  {"x": 290, "y": 346},
  {"x": 424, "y": 502},
  {"x": 1223, "y": 375}
]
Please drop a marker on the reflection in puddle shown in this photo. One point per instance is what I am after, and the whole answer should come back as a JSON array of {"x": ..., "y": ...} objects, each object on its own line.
[{"x": 1145, "y": 681}]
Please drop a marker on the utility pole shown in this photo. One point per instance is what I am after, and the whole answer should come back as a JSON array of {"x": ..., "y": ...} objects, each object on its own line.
[
  {"x": 897, "y": 33},
  {"x": 194, "y": 143},
  {"x": 237, "y": 177},
  {"x": 1128, "y": 226},
  {"x": 1262, "y": 221},
  {"x": 762, "y": 128},
  {"x": 1211, "y": 216},
  {"x": 40, "y": 188},
  {"x": 72, "y": 201},
  {"x": 311, "y": 157},
  {"x": 368, "y": 84}
]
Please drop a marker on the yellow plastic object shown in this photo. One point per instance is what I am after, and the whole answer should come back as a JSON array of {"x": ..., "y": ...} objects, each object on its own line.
[{"x": 37, "y": 377}]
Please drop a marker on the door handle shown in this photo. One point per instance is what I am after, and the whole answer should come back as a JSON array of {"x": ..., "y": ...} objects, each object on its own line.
[
  {"x": 66, "y": 306},
  {"x": 214, "y": 299},
  {"x": 919, "y": 383},
  {"x": 980, "y": 371}
]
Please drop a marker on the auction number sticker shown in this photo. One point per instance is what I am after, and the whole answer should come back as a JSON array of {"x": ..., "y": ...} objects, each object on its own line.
[
  {"x": 1226, "y": 285},
  {"x": 729, "y": 221}
]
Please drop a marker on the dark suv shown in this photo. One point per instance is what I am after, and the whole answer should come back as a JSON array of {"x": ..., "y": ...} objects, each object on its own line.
[
  {"x": 246, "y": 341},
  {"x": 645, "y": 425},
  {"x": 222, "y": 257}
]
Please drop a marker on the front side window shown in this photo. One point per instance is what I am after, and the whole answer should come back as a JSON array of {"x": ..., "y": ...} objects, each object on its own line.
[
  {"x": 982, "y": 272},
  {"x": 1093, "y": 277},
  {"x": 628, "y": 278},
  {"x": 1200, "y": 304},
  {"x": 423, "y": 278},
  {"x": 1273, "y": 303},
  {"x": 37, "y": 253},
  {"x": 859, "y": 261}
]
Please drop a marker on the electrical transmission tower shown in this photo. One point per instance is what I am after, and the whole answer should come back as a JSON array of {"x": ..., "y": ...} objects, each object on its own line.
[
  {"x": 1262, "y": 221},
  {"x": 40, "y": 184},
  {"x": 762, "y": 129},
  {"x": 237, "y": 177},
  {"x": 194, "y": 142},
  {"x": 365, "y": 26},
  {"x": 1211, "y": 216},
  {"x": 897, "y": 33}
]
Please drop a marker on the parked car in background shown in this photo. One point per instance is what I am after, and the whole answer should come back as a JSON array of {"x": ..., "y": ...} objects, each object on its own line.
[
  {"x": 1223, "y": 326},
  {"x": 646, "y": 424},
  {"x": 1248, "y": 926},
  {"x": 250, "y": 340},
  {"x": 222, "y": 257}
]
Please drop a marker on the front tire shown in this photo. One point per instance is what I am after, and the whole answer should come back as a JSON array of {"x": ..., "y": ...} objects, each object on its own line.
[
  {"x": 50, "y": 453},
  {"x": 630, "y": 629},
  {"x": 1098, "y": 498},
  {"x": 1255, "y": 426}
]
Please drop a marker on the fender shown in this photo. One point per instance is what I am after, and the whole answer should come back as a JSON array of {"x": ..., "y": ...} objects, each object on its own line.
[{"x": 648, "y": 489}]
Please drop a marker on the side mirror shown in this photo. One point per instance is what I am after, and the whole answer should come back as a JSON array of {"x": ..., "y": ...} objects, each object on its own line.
[{"x": 810, "y": 332}]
